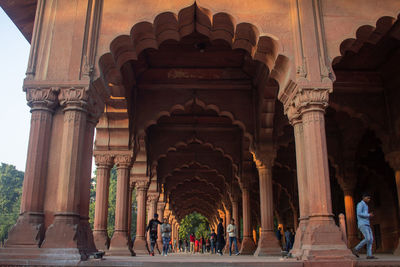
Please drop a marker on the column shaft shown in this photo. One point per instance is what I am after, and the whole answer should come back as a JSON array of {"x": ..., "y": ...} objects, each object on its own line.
[
  {"x": 29, "y": 229},
  {"x": 66, "y": 219},
  {"x": 235, "y": 215},
  {"x": 248, "y": 245},
  {"x": 101, "y": 206},
  {"x": 120, "y": 243},
  {"x": 351, "y": 222},
  {"x": 141, "y": 192},
  {"x": 268, "y": 243}
]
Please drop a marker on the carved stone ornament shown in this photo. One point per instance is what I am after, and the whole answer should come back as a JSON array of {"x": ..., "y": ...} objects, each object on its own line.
[
  {"x": 123, "y": 161},
  {"x": 41, "y": 97},
  {"x": 95, "y": 106},
  {"x": 151, "y": 198},
  {"x": 103, "y": 160},
  {"x": 311, "y": 98},
  {"x": 142, "y": 184},
  {"x": 76, "y": 96}
]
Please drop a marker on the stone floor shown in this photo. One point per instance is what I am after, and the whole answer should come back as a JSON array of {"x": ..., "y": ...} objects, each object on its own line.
[{"x": 203, "y": 260}]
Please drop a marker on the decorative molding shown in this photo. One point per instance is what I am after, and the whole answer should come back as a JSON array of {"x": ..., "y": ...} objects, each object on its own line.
[
  {"x": 42, "y": 98},
  {"x": 123, "y": 160},
  {"x": 73, "y": 95},
  {"x": 104, "y": 160},
  {"x": 35, "y": 42},
  {"x": 142, "y": 185}
]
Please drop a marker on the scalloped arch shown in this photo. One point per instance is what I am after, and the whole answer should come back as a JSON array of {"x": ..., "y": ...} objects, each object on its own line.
[
  {"x": 168, "y": 26},
  {"x": 365, "y": 34}
]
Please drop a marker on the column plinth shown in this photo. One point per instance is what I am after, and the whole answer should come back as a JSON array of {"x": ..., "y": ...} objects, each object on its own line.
[
  {"x": 140, "y": 244},
  {"x": 248, "y": 246},
  {"x": 120, "y": 241},
  {"x": 29, "y": 229},
  {"x": 268, "y": 244}
]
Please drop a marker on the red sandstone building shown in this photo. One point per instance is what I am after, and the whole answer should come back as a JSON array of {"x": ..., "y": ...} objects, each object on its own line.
[{"x": 257, "y": 110}]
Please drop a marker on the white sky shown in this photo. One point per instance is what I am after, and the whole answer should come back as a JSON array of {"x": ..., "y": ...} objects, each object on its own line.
[{"x": 14, "y": 112}]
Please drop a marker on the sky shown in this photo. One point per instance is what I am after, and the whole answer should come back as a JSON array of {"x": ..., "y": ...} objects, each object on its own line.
[{"x": 14, "y": 111}]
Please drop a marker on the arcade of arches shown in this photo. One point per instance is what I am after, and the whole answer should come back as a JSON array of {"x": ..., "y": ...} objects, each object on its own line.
[{"x": 236, "y": 112}]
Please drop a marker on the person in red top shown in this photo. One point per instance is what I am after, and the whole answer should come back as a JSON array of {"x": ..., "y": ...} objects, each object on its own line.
[
  {"x": 196, "y": 245},
  {"x": 192, "y": 239}
]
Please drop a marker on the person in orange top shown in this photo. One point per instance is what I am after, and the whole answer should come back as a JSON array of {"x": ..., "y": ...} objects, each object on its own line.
[{"x": 196, "y": 245}]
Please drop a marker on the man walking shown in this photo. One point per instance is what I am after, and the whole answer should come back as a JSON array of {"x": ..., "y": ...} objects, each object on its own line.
[
  {"x": 231, "y": 229},
  {"x": 213, "y": 241},
  {"x": 166, "y": 236},
  {"x": 153, "y": 225},
  {"x": 363, "y": 217},
  {"x": 220, "y": 237}
]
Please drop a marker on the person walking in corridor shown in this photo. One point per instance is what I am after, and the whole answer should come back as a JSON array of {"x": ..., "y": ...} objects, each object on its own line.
[
  {"x": 152, "y": 227},
  {"x": 166, "y": 236},
  {"x": 220, "y": 237},
  {"x": 363, "y": 216},
  {"x": 192, "y": 241},
  {"x": 231, "y": 230}
]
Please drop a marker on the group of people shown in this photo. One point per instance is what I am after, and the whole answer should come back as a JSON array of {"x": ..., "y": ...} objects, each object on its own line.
[
  {"x": 216, "y": 241},
  {"x": 213, "y": 244},
  {"x": 287, "y": 243}
]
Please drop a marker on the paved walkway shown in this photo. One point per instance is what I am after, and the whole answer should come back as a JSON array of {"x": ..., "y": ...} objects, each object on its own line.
[{"x": 185, "y": 259}]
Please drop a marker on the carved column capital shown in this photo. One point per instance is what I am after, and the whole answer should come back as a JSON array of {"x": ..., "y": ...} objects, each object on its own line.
[
  {"x": 308, "y": 99},
  {"x": 74, "y": 97},
  {"x": 393, "y": 158},
  {"x": 152, "y": 197},
  {"x": 103, "y": 160},
  {"x": 41, "y": 98},
  {"x": 142, "y": 185},
  {"x": 123, "y": 160}
]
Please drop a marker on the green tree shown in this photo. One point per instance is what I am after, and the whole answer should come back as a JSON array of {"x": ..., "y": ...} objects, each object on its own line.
[
  {"x": 10, "y": 197},
  {"x": 194, "y": 223}
]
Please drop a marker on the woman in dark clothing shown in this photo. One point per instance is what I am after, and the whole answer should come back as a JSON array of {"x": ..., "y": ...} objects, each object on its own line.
[{"x": 220, "y": 237}]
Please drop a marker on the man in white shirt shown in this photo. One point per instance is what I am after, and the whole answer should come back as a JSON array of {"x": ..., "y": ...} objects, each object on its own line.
[{"x": 231, "y": 230}]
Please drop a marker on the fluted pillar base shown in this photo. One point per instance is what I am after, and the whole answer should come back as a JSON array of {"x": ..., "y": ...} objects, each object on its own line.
[
  {"x": 27, "y": 232},
  {"x": 120, "y": 245},
  {"x": 248, "y": 246},
  {"x": 268, "y": 245},
  {"x": 322, "y": 240},
  {"x": 140, "y": 246},
  {"x": 101, "y": 239}
]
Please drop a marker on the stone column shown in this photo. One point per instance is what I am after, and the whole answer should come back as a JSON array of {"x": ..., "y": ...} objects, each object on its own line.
[
  {"x": 351, "y": 217},
  {"x": 141, "y": 192},
  {"x": 152, "y": 199},
  {"x": 235, "y": 215},
  {"x": 160, "y": 212},
  {"x": 394, "y": 160},
  {"x": 104, "y": 163},
  {"x": 322, "y": 238},
  {"x": 268, "y": 243},
  {"x": 86, "y": 176},
  {"x": 29, "y": 229},
  {"x": 248, "y": 246},
  {"x": 295, "y": 121},
  {"x": 66, "y": 219},
  {"x": 120, "y": 243},
  {"x": 130, "y": 214},
  {"x": 227, "y": 222}
]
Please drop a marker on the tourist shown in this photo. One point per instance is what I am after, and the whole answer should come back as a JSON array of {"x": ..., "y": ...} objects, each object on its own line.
[
  {"x": 363, "y": 217},
  {"x": 196, "y": 245},
  {"x": 231, "y": 230},
  {"x": 213, "y": 242},
  {"x": 288, "y": 239},
  {"x": 278, "y": 234},
  {"x": 152, "y": 227},
  {"x": 220, "y": 237},
  {"x": 207, "y": 245},
  {"x": 187, "y": 245},
  {"x": 166, "y": 236},
  {"x": 192, "y": 241}
]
